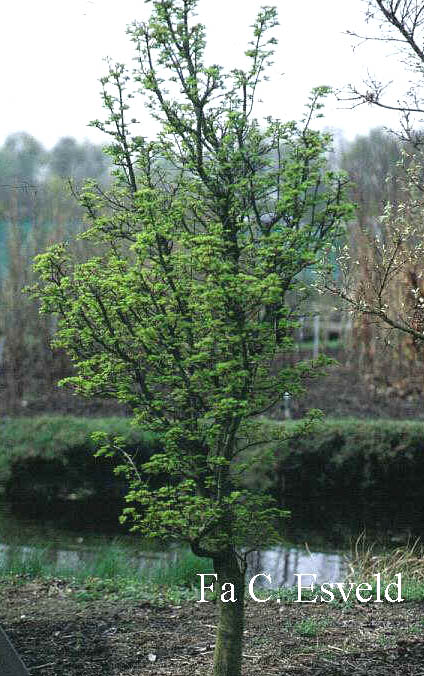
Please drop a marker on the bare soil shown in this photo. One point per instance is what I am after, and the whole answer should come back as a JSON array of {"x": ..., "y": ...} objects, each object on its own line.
[
  {"x": 344, "y": 393},
  {"x": 57, "y": 635}
]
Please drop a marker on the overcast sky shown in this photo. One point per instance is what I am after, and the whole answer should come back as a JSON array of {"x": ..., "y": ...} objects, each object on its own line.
[{"x": 52, "y": 51}]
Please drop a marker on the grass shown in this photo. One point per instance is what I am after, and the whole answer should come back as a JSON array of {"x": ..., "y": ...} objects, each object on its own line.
[
  {"x": 367, "y": 559},
  {"x": 110, "y": 563},
  {"x": 183, "y": 573},
  {"x": 324, "y": 345},
  {"x": 111, "y": 572},
  {"x": 310, "y": 626},
  {"x": 114, "y": 572}
]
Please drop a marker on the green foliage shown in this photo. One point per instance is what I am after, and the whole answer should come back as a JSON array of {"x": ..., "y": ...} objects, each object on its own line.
[
  {"x": 183, "y": 572},
  {"x": 184, "y": 309},
  {"x": 34, "y": 564},
  {"x": 311, "y": 626}
]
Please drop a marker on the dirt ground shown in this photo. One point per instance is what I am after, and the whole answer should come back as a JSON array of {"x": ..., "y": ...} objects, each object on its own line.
[
  {"x": 58, "y": 635},
  {"x": 343, "y": 393}
]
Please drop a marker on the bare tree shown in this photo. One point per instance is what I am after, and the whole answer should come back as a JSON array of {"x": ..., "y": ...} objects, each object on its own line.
[
  {"x": 382, "y": 278},
  {"x": 381, "y": 281},
  {"x": 400, "y": 23}
]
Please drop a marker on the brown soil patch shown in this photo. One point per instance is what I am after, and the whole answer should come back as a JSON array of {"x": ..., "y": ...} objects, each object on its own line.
[
  {"x": 343, "y": 393},
  {"x": 57, "y": 635}
]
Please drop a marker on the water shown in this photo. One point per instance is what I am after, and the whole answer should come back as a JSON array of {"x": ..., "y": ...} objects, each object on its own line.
[
  {"x": 70, "y": 549},
  {"x": 283, "y": 563}
]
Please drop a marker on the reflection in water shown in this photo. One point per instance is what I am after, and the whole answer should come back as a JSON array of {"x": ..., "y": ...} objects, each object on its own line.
[
  {"x": 23, "y": 537},
  {"x": 280, "y": 563},
  {"x": 283, "y": 563}
]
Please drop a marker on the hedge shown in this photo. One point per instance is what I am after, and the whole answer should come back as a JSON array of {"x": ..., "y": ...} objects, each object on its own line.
[
  {"x": 369, "y": 459},
  {"x": 52, "y": 457}
]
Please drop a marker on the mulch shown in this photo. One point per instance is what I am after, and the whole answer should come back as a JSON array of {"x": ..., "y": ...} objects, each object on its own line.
[{"x": 58, "y": 635}]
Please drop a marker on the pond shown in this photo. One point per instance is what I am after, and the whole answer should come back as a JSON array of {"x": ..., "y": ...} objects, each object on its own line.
[{"x": 71, "y": 549}]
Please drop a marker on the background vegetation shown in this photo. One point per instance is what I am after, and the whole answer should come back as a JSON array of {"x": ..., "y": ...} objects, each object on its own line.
[{"x": 37, "y": 208}]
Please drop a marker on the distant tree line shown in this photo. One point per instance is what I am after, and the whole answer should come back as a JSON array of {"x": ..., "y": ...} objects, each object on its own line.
[
  {"x": 36, "y": 207},
  {"x": 32, "y": 178}
]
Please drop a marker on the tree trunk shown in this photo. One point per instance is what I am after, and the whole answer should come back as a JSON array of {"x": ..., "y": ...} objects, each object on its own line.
[{"x": 228, "y": 648}]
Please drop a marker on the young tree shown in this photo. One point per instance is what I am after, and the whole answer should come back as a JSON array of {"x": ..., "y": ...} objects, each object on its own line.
[{"x": 184, "y": 309}]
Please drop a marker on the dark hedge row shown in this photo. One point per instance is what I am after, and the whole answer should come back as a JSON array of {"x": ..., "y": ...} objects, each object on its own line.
[
  {"x": 369, "y": 459},
  {"x": 51, "y": 458},
  {"x": 48, "y": 458}
]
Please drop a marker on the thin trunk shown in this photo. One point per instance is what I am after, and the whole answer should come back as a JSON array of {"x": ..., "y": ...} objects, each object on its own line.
[
  {"x": 228, "y": 648},
  {"x": 316, "y": 336}
]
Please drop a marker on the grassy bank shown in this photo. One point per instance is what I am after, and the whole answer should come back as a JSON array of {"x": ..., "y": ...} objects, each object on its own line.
[
  {"x": 354, "y": 469},
  {"x": 353, "y": 460},
  {"x": 375, "y": 454},
  {"x": 112, "y": 572},
  {"x": 55, "y": 437}
]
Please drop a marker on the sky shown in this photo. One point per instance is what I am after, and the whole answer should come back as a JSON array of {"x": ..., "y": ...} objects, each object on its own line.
[{"x": 52, "y": 56}]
